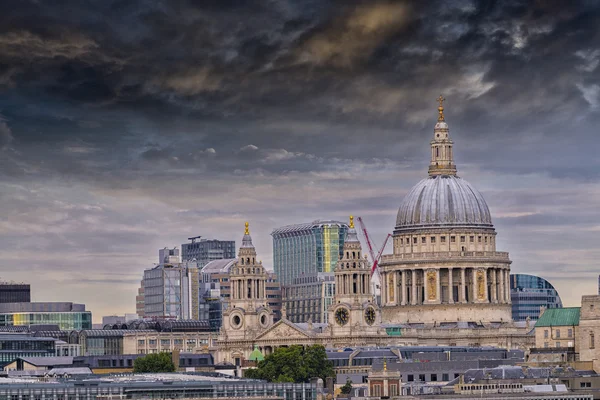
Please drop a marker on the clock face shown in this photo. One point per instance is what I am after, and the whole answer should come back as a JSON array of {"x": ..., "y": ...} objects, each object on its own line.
[
  {"x": 341, "y": 316},
  {"x": 370, "y": 315}
]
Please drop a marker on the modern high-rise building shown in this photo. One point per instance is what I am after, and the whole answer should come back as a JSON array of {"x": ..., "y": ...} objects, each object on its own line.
[
  {"x": 530, "y": 295},
  {"x": 309, "y": 297},
  {"x": 171, "y": 288},
  {"x": 205, "y": 250},
  {"x": 139, "y": 301},
  {"x": 11, "y": 292},
  {"x": 307, "y": 249}
]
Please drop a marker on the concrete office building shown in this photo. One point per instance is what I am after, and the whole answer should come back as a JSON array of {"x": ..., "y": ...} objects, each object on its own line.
[
  {"x": 204, "y": 251},
  {"x": 171, "y": 288},
  {"x": 11, "y": 292},
  {"x": 309, "y": 297},
  {"x": 64, "y": 314},
  {"x": 530, "y": 295}
]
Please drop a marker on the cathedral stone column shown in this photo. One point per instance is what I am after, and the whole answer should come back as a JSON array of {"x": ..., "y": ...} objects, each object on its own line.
[
  {"x": 463, "y": 285},
  {"x": 403, "y": 279},
  {"x": 508, "y": 286},
  {"x": 395, "y": 299},
  {"x": 494, "y": 288},
  {"x": 450, "y": 287},
  {"x": 502, "y": 291},
  {"x": 383, "y": 282},
  {"x": 439, "y": 286},
  {"x": 413, "y": 296},
  {"x": 474, "y": 285}
]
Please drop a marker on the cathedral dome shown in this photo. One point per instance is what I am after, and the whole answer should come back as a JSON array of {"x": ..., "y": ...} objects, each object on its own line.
[{"x": 443, "y": 201}]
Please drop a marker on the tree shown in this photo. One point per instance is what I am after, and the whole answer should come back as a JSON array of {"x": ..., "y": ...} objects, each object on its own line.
[
  {"x": 347, "y": 388},
  {"x": 293, "y": 364},
  {"x": 158, "y": 362}
]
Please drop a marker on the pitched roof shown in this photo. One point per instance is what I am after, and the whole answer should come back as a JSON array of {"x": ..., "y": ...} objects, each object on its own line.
[{"x": 568, "y": 316}]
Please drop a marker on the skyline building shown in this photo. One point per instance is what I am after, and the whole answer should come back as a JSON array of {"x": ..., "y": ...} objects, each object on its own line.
[
  {"x": 170, "y": 289},
  {"x": 207, "y": 250},
  {"x": 307, "y": 248},
  {"x": 68, "y": 316},
  {"x": 11, "y": 292},
  {"x": 309, "y": 297},
  {"x": 530, "y": 295}
]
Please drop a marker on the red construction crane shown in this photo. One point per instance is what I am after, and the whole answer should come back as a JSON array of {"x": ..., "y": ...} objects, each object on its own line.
[{"x": 373, "y": 257}]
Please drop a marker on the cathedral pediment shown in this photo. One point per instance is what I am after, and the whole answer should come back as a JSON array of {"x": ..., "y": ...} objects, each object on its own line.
[{"x": 283, "y": 329}]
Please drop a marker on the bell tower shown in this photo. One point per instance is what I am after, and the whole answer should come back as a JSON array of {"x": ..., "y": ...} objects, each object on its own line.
[
  {"x": 354, "y": 307},
  {"x": 248, "y": 312}
]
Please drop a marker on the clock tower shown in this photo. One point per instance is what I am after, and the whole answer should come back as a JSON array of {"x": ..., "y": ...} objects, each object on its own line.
[
  {"x": 354, "y": 311},
  {"x": 248, "y": 313}
]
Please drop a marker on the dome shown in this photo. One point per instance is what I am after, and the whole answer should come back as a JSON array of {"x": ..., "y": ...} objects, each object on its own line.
[{"x": 443, "y": 201}]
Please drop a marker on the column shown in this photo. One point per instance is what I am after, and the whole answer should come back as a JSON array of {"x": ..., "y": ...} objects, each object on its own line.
[
  {"x": 413, "y": 296},
  {"x": 474, "y": 285},
  {"x": 463, "y": 286},
  {"x": 494, "y": 289},
  {"x": 450, "y": 287},
  {"x": 383, "y": 284},
  {"x": 439, "y": 285},
  {"x": 403, "y": 278},
  {"x": 507, "y": 286},
  {"x": 395, "y": 299},
  {"x": 502, "y": 292}
]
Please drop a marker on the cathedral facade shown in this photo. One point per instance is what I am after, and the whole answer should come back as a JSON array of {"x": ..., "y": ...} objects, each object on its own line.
[{"x": 444, "y": 284}]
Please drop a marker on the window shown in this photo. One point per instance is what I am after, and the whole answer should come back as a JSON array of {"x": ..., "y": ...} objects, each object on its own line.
[
  {"x": 410, "y": 378},
  {"x": 592, "y": 341},
  {"x": 445, "y": 377},
  {"x": 471, "y": 239},
  {"x": 141, "y": 342},
  {"x": 376, "y": 390},
  {"x": 423, "y": 240},
  {"x": 432, "y": 239},
  {"x": 422, "y": 378},
  {"x": 415, "y": 240},
  {"x": 545, "y": 333},
  {"x": 546, "y": 344},
  {"x": 486, "y": 239},
  {"x": 558, "y": 333},
  {"x": 557, "y": 344},
  {"x": 393, "y": 390},
  {"x": 443, "y": 239},
  {"x": 479, "y": 239},
  {"x": 462, "y": 239},
  {"x": 433, "y": 377},
  {"x": 401, "y": 241},
  {"x": 152, "y": 342},
  {"x": 585, "y": 384},
  {"x": 452, "y": 239},
  {"x": 570, "y": 333}
]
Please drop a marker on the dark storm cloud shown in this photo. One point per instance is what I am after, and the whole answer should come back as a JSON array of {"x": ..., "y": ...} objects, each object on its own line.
[{"x": 126, "y": 126}]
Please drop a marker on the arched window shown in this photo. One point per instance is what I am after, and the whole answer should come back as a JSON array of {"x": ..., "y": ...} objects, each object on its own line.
[
  {"x": 437, "y": 151},
  {"x": 353, "y": 254}
]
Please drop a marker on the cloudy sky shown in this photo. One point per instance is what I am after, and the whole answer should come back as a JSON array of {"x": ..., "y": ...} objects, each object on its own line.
[{"x": 127, "y": 126}]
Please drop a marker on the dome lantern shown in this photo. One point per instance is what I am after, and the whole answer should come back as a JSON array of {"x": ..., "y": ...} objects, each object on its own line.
[{"x": 442, "y": 159}]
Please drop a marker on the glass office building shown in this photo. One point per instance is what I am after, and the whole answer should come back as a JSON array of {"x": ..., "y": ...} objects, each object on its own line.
[
  {"x": 205, "y": 250},
  {"x": 529, "y": 294},
  {"x": 309, "y": 297},
  {"x": 307, "y": 249},
  {"x": 67, "y": 316}
]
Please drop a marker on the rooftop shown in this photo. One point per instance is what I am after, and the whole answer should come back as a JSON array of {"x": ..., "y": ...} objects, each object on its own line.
[
  {"x": 568, "y": 316},
  {"x": 306, "y": 226}
]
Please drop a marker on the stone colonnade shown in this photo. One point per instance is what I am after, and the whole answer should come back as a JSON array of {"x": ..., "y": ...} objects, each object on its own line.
[
  {"x": 248, "y": 289},
  {"x": 448, "y": 285}
]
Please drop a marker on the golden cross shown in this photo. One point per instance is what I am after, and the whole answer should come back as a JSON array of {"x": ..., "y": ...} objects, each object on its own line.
[
  {"x": 247, "y": 232},
  {"x": 351, "y": 222},
  {"x": 441, "y": 108}
]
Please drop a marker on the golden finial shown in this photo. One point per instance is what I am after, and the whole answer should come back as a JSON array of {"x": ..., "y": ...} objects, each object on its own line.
[
  {"x": 352, "y": 222},
  {"x": 384, "y": 365},
  {"x": 441, "y": 108},
  {"x": 247, "y": 231}
]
